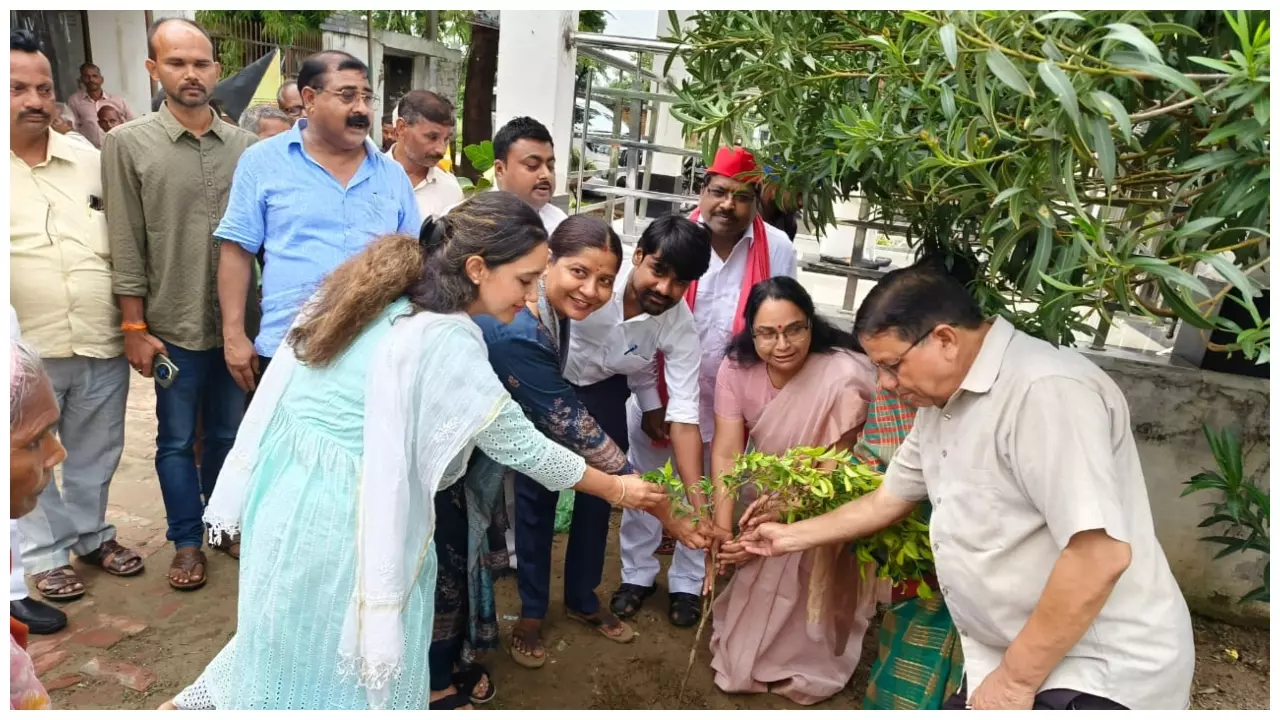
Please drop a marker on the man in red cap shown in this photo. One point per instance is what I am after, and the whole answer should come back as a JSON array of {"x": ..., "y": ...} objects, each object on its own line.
[{"x": 745, "y": 251}]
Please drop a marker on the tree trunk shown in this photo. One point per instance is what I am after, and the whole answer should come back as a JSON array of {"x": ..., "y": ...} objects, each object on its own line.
[{"x": 477, "y": 99}]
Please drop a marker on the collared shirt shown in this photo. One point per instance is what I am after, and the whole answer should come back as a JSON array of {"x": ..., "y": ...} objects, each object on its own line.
[
  {"x": 59, "y": 259},
  {"x": 285, "y": 201},
  {"x": 1033, "y": 448},
  {"x": 166, "y": 191},
  {"x": 85, "y": 109},
  {"x": 437, "y": 193},
  {"x": 551, "y": 216},
  {"x": 714, "y": 311},
  {"x": 604, "y": 345}
]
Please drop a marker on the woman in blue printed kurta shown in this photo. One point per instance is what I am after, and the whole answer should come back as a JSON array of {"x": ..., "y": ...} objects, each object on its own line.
[{"x": 527, "y": 355}]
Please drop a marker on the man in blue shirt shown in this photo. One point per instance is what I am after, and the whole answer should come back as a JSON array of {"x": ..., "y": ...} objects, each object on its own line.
[{"x": 313, "y": 197}]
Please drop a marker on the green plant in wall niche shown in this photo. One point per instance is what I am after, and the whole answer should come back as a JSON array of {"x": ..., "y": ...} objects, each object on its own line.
[{"x": 1245, "y": 508}]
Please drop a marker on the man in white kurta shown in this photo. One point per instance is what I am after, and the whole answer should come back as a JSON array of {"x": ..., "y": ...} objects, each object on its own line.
[{"x": 728, "y": 205}]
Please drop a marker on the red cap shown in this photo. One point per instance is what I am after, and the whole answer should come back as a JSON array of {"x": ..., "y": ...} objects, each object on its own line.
[{"x": 736, "y": 163}]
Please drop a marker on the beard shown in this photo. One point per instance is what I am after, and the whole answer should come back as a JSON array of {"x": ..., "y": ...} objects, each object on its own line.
[{"x": 179, "y": 97}]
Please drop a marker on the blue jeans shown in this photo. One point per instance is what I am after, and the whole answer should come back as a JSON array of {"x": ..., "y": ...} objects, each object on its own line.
[
  {"x": 588, "y": 531},
  {"x": 203, "y": 388}
]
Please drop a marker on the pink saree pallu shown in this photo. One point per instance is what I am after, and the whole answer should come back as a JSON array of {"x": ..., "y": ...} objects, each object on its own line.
[{"x": 794, "y": 625}]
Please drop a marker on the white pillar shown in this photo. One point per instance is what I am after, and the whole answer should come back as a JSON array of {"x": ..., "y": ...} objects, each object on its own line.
[
  {"x": 536, "y": 64},
  {"x": 670, "y": 131},
  {"x": 118, "y": 39}
]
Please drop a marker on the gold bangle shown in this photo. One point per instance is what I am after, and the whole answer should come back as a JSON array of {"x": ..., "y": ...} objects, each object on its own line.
[
  {"x": 622, "y": 485},
  {"x": 133, "y": 327}
]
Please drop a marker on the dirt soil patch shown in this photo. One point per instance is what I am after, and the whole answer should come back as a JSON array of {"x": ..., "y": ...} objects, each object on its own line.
[{"x": 163, "y": 638}]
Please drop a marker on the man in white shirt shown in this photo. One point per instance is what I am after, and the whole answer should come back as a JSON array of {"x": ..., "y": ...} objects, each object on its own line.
[
  {"x": 745, "y": 250},
  {"x": 1041, "y": 526},
  {"x": 524, "y": 163},
  {"x": 424, "y": 132},
  {"x": 645, "y": 319}
]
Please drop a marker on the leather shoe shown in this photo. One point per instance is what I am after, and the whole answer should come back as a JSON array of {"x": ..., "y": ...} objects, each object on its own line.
[{"x": 40, "y": 619}]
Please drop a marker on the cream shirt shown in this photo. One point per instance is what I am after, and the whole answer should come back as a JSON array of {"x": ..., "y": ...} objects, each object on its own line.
[
  {"x": 1033, "y": 448},
  {"x": 59, "y": 261},
  {"x": 437, "y": 193}
]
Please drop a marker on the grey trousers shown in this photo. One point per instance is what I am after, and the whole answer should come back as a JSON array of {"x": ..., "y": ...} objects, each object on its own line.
[{"x": 71, "y": 515}]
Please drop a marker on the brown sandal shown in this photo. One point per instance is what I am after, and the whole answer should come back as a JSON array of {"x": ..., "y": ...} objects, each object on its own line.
[
  {"x": 187, "y": 560},
  {"x": 53, "y": 584},
  {"x": 601, "y": 621},
  {"x": 531, "y": 638},
  {"x": 114, "y": 559},
  {"x": 229, "y": 545}
]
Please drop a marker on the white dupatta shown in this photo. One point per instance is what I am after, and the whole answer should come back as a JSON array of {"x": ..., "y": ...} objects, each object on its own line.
[{"x": 429, "y": 391}]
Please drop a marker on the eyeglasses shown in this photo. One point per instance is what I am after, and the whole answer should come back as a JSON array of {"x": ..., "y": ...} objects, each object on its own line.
[
  {"x": 769, "y": 335},
  {"x": 892, "y": 368},
  {"x": 349, "y": 96},
  {"x": 294, "y": 111},
  {"x": 742, "y": 196}
]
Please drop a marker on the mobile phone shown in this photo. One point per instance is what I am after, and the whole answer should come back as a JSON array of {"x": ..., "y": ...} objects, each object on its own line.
[{"x": 164, "y": 371}]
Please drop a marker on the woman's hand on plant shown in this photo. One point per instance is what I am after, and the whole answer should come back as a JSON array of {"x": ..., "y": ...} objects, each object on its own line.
[
  {"x": 765, "y": 509},
  {"x": 683, "y": 531},
  {"x": 732, "y": 553},
  {"x": 770, "y": 540},
  {"x": 638, "y": 494}
]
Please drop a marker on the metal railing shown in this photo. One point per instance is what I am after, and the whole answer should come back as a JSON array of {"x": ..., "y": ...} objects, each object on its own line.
[{"x": 238, "y": 43}]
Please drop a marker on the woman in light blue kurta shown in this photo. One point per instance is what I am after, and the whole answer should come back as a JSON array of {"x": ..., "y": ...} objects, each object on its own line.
[{"x": 373, "y": 405}]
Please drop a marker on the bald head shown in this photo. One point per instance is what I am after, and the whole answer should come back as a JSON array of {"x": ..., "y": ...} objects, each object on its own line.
[
  {"x": 181, "y": 60},
  {"x": 165, "y": 28}
]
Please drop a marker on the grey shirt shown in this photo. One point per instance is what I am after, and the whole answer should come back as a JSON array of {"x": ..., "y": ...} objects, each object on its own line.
[
  {"x": 1033, "y": 448},
  {"x": 165, "y": 192}
]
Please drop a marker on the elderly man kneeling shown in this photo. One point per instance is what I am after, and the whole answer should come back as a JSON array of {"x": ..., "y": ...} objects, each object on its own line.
[{"x": 1041, "y": 527}]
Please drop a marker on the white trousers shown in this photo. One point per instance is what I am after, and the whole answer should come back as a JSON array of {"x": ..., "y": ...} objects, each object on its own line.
[
  {"x": 641, "y": 533},
  {"x": 17, "y": 583}
]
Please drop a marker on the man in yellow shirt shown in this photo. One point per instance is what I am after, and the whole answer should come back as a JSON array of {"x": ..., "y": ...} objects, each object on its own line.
[{"x": 60, "y": 287}]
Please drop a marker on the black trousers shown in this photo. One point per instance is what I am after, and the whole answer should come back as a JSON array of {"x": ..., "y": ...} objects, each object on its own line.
[
  {"x": 1055, "y": 699},
  {"x": 589, "y": 532}
]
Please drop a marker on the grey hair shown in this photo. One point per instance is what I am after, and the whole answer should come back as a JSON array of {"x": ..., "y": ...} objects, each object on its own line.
[
  {"x": 26, "y": 370},
  {"x": 65, "y": 113},
  {"x": 252, "y": 118}
]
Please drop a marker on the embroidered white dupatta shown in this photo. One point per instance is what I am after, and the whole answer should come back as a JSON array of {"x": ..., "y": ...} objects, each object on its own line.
[{"x": 429, "y": 391}]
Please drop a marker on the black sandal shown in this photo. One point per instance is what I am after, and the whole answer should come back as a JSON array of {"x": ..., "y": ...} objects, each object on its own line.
[
  {"x": 628, "y": 599},
  {"x": 469, "y": 676},
  {"x": 685, "y": 610},
  {"x": 450, "y": 702}
]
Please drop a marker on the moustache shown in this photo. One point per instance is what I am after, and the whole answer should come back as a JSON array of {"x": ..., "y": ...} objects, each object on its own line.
[
  {"x": 358, "y": 121},
  {"x": 26, "y": 114},
  {"x": 192, "y": 86}
]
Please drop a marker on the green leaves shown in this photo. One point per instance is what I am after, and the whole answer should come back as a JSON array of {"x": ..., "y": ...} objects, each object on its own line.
[
  {"x": 1007, "y": 73},
  {"x": 936, "y": 119},
  {"x": 1058, "y": 82}
]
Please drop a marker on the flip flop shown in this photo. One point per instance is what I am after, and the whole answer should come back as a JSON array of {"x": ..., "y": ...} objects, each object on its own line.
[
  {"x": 187, "y": 560},
  {"x": 52, "y": 583},
  {"x": 532, "y": 638},
  {"x": 601, "y": 624},
  {"x": 469, "y": 676},
  {"x": 115, "y": 559}
]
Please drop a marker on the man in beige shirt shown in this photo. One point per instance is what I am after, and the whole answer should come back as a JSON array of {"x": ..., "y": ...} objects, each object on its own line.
[
  {"x": 167, "y": 176},
  {"x": 1041, "y": 529},
  {"x": 423, "y": 135},
  {"x": 60, "y": 288}
]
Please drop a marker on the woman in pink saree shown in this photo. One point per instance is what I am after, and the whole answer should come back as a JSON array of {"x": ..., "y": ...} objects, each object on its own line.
[{"x": 791, "y": 625}]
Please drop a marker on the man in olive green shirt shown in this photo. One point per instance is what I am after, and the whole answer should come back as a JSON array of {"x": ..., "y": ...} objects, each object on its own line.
[{"x": 166, "y": 178}]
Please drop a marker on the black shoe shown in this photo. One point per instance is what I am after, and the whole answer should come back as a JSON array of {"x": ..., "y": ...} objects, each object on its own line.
[
  {"x": 685, "y": 610},
  {"x": 628, "y": 599},
  {"x": 39, "y": 618}
]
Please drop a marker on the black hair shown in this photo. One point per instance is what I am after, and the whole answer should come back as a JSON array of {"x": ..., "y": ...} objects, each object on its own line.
[
  {"x": 23, "y": 40},
  {"x": 825, "y": 338},
  {"x": 684, "y": 245},
  {"x": 155, "y": 28},
  {"x": 87, "y": 65},
  {"x": 418, "y": 105},
  {"x": 584, "y": 232},
  {"x": 914, "y": 300},
  {"x": 521, "y": 128},
  {"x": 497, "y": 226},
  {"x": 316, "y": 67}
]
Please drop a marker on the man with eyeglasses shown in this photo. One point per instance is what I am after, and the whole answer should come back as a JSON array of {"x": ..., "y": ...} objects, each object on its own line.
[
  {"x": 1041, "y": 526},
  {"x": 166, "y": 176},
  {"x": 60, "y": 290},
  {"x": 289, "y": 100},
  {"x": 312, "y": 197},
  {"x": 745, "y": 251}
]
